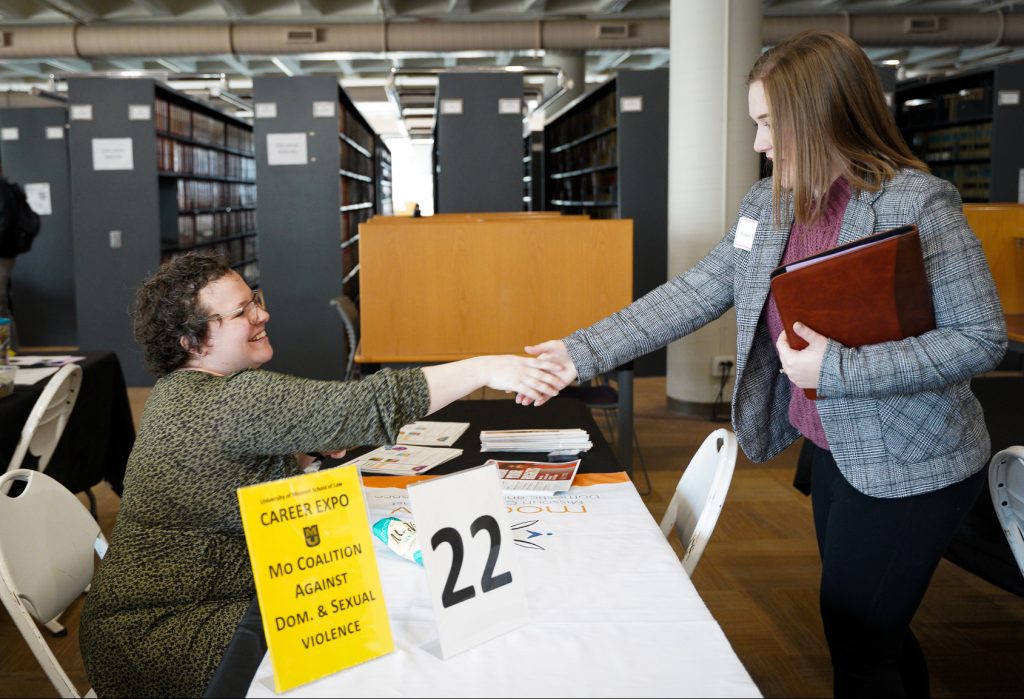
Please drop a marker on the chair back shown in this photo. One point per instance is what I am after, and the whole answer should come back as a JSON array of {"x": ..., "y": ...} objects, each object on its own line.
[
  {"x": 1006, "y": 486},
  {"x": 47, "y": 540},
  {"x": 700, "y": 494},
  {"x": 350, "y": 320},
  {"x": 49, "y": 417}
]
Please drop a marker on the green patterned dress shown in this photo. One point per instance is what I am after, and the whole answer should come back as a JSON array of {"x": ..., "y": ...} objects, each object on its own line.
[{"x": 176, "y": 580}]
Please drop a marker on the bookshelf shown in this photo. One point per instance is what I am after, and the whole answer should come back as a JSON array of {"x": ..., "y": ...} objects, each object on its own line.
[
  {"x": 34, "y": 152},
  {"x": 533, "y": 171},
  {"x": 606, "y": 155},
  {"x": 966, "y": 127},
  {"x": 154, "y": 174},
  {"x": 332, "y": 173},
  {"x": 478, "y": 143}
]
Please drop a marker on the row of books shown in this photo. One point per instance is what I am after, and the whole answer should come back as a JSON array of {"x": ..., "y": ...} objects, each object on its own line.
[
  {"x": 354, "y": 129},
  {"x": 599, "y": 152},
  {"x": 194, "y": 229},
  {"x": 354, "y": 191},
  {"x": 186, "y": 159},
  {"x": 592, "y": 186},
  {"x": 601, "y": 115},
  {"x": 972, "y": 180},
  {"x": 954, "y": 143},
  {"x": 185, "y": 122},
  {"x": 204, "y": 194}
]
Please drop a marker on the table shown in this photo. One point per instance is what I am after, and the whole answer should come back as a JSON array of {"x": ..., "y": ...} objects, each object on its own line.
[
  {"x": 99, "y": 435},
  {"x": 613, "y": 612},
  {"x": 1015, "y": 332},
  {"x": 504, "y": 414}
]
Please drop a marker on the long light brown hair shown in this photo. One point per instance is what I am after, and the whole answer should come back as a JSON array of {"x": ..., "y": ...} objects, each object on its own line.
[{"x": 827, "y": 108}]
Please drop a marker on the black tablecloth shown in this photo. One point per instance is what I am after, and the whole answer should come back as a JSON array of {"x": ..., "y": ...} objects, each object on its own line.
[
  {"x": 558, "y": 413},
  {"x": 979, "y": 545},
  {"x": 99, "y": 435},
  {"x": 247, "y": 647}
]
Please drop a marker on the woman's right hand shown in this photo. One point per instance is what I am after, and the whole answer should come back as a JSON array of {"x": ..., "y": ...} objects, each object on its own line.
[{"x": 553, "y": 351}]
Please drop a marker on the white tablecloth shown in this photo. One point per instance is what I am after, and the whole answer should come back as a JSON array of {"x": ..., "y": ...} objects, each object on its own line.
[{"x": 612, "y": 613}]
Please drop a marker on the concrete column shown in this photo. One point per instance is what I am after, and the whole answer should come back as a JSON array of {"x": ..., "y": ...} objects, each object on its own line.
[{"x": 712, "y": 164}]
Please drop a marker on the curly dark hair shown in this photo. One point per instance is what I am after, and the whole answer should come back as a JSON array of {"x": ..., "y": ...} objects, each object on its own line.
[{"x": 167, "y": 309}]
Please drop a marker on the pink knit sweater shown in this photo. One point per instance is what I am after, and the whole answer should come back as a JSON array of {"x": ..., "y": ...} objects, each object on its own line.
[{"x": 804, "y": 241}]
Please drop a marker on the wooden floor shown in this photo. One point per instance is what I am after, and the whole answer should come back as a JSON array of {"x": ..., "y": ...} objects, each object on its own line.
[{"x": 759, "y": 577}]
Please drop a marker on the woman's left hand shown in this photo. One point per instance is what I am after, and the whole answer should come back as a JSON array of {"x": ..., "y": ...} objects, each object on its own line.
[{"x": 802, "y": 366}]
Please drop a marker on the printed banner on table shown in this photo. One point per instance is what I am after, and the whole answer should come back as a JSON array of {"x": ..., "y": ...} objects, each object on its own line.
[{"x": 316, "y": 574}]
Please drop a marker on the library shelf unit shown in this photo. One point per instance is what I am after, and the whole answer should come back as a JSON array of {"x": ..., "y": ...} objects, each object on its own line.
[
  {"x": 966, "y": 127},
  {"x": 533, "y": 171},
  {"x": 606, "y": 155},
  {"x": 321, "y": 171},
  {"x": 34, "y": 152},
  {"x": 385, "y": 198},
  {"x": 154, "y": 174},
  {"x": 478, "y": 143}
]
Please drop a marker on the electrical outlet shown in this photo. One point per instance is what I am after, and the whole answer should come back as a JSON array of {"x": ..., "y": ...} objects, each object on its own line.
[{"x": 719, "y": 363}]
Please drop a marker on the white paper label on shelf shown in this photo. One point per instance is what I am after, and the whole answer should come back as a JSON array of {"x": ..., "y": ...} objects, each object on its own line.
[
  {"x": 287, "y": 149},
  {"x": 1008, "y": 98},
  {"x": 81, "y": 112},
  {"x": 323, "y": 109},
  {"x": 266, "y": 110},
  {"x": 631, "y": 104},
  {"x": 112, "y": 154},
  {"x": 37, "y": 194},
  {"x": 9, "y": 133},
  {"x": 451, "y": 106},
  {"x": 510, "y": 105},
  {"x": 54, "y": 133},
  {"x": 473, "y": 579},
  {"x": 139, "y": 112}
]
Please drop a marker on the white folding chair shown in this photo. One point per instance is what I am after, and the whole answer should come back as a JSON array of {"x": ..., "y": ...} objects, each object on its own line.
[
  {"x": 47, "y": 539},
  {"x": 48, "y": 418},
  {"x": 1006, "y": 486},
  {"x": 700, "y": 494}
]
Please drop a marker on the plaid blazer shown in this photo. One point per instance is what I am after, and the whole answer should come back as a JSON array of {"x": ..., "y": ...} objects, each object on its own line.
[{"x": 900, "y": 417}]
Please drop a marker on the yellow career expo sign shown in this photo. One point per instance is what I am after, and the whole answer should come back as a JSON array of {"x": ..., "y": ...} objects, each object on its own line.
[{"x": 316, "y": 575}]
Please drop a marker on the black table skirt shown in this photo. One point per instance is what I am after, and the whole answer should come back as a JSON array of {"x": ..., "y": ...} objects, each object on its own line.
[
  {"x": 559, "y": 413},
  {"x": 979, "y": 545},
  {"x": 99, "y": 435}
]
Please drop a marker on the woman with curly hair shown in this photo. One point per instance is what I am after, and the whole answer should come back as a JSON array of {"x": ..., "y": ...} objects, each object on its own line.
[{"x": 176, "y": 580}]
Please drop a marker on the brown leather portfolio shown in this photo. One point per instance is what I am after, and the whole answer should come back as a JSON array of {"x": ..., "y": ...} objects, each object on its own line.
[{"x": 865, "y": 292}]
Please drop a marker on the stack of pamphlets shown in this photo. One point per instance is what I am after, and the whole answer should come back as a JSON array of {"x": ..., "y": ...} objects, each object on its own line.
[
  {"x": 432, "y": 434},
  {"x": 568, "y": 441},
  {"x": 401, "y": 460},
  {"x": 535, "y": 477}
]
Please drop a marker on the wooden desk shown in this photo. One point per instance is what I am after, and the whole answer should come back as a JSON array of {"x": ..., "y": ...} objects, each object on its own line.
[
  {"x": 1015, "y": 331},
  {"x": 458, "y": 287}
]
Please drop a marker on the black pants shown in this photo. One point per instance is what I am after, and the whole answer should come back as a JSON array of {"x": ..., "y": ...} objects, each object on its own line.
[{"x": 878, "y": 556}]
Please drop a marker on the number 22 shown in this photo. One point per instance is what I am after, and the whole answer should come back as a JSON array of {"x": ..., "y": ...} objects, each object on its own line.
[{"x": 488, "y": 581}]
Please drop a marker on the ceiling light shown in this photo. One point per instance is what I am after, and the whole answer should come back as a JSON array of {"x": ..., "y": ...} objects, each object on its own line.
[{"x": 891, "y": 62}]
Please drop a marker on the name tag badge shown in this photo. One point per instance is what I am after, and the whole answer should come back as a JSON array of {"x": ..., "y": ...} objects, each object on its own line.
[{"x": 745, "y": 229}]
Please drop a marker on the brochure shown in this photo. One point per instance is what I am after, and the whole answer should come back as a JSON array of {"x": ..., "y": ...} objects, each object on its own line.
[
  {"x": 535, "y": 477},
  {"x": 402, "y": 460},
  {"x": 432, "y": 434}
]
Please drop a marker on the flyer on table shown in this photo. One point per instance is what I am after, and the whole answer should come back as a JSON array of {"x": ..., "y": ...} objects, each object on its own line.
[{"x": 316, "y": 574}]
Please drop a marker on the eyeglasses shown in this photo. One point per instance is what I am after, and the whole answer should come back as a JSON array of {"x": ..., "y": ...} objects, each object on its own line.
[{"x": 251, "y": 309}]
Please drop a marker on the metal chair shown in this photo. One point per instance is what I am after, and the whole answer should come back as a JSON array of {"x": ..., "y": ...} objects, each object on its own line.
[
  {"x": 350, "y": 320},
  {"x": 47, "y": 540},
  {"x": 1006, "y": 486},
  {"x": 700, "y": 494}
]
